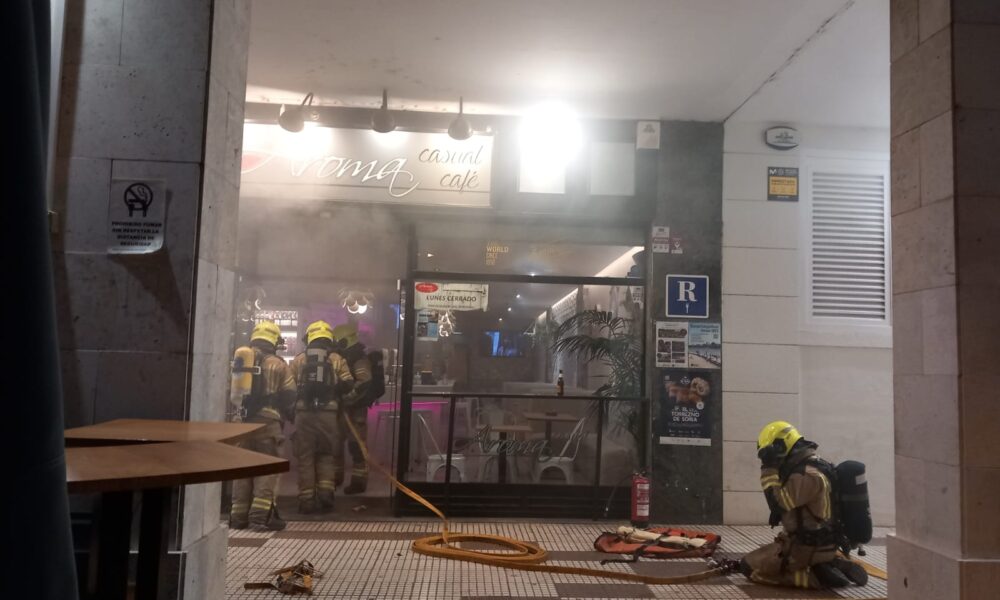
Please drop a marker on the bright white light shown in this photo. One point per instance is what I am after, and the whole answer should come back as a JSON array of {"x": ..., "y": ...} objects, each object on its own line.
[
  {"x": 393, "y": 140},
  {"x": 553, "y": 128},
  {"x": 550, "y": 137},
  {"x": 518, "y": 296},
  {"x": 362, "y": 309},
  {"x": 509, "y": 309}
]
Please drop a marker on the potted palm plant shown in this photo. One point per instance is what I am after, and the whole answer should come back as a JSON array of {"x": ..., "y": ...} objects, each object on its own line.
[{"x": 602, "y": 337}]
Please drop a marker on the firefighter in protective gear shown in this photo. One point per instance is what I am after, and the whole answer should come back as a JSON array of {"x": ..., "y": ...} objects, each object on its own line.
[
  {"x": 267, "y": 399},
  {"x": 800, "y": 497},
  {"x": 322, "y": 377},
  {"x": 354, "y": 406}
]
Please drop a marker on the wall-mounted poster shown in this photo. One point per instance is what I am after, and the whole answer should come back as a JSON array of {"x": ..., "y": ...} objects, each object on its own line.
[
  {"x": 683, "y": 409},
  {"x": 705, "y": 345},
  {"x": 427, "y": 325},
  {"x": 671, "y": 344},
  {"x": 783, "y": 184}
]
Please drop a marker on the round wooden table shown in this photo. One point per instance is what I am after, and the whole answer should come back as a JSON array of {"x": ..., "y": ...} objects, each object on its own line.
[{"x": 154, "y": 470}]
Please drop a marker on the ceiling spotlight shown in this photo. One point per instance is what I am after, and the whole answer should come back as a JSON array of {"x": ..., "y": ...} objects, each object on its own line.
[
  {"x": 293, "y": 119},
  {"x": 382, "y": 120},
  {"x": 509, "y": 309},
  {"x": 460, "y": 129},
  {"x": 518, "y": 296},
  {"x": 500, "y": 319}
]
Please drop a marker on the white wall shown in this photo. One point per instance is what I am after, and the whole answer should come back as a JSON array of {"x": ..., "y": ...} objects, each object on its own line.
[{"x": 835, "y": 384}]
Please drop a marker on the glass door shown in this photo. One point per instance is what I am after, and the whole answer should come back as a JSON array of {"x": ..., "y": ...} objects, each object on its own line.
[{"x": 521, "y": 395}]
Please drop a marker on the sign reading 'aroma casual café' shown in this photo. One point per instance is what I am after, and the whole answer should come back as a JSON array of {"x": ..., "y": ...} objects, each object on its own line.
[{"x": 325, "y": 163}]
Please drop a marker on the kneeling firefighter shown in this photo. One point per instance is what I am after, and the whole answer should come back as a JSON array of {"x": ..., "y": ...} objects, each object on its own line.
[
  {"x": 263, "y": 391},
  {"x": 369, "y": 385},
  {"x": 822, "y": 510},
  {"x": 322, "y": 377}
]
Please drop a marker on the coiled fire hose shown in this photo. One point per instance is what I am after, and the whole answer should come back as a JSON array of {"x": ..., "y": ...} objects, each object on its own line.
[{"x": 524, "y": 556}]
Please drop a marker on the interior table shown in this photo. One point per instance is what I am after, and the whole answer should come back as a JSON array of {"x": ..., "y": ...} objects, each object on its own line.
[
  {"x": 152, "y": 469},
  {"x": 549, "y": 419},
  {"x": 503, "y": 430},
  {"x": 144, "y": 431}
]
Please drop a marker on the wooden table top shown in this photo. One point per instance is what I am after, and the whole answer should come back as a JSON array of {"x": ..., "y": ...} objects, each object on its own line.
[
  {"x": 560, "y": 417},
  {"x": 144, "y": 431},
  {"x": 138, "y": 467},
  {"x": 511, "y": 428}
]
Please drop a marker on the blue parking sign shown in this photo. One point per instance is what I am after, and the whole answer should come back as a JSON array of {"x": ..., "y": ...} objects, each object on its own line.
[{"x": 687, "y": 296}]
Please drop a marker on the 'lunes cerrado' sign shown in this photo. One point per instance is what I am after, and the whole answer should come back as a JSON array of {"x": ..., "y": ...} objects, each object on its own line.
[{"x": 324, "y": 163}]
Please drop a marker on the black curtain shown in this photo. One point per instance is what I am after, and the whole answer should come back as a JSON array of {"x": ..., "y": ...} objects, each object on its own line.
[{"x": 37, "y": 546}]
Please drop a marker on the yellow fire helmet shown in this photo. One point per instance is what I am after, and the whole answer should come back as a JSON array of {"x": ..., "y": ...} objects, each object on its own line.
[
  {"x": 346, "y": 334},
  {"x": 267, "y": 331},
  {"x": 319, "y": 330},
  {"x": 778, "y": 431}
]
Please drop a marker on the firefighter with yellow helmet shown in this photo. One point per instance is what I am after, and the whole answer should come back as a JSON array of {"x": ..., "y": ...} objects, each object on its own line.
[
  {"x": 798, "y": 490},
  {"x": 262, "y": 391},
  {"x": 354, "y": 407},
  {"x": 322, "y": 377}
]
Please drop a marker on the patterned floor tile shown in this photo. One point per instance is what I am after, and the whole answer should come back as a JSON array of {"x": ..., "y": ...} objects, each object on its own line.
[{"x": 373, "y": 559}]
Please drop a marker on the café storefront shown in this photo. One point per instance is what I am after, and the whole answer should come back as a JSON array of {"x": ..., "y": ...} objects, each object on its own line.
[{"x": 504, "y": 281}]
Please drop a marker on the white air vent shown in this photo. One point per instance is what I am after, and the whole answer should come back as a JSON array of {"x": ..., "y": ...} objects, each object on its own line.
[{"x": 849, "y": 246}]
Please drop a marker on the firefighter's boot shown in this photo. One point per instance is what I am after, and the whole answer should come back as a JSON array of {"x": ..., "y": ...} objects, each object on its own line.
[
  {"x": 307, "y": 506},
  {"x": 830, "y": 576},
  {"x": 852, "y": 570},
  {"x": 358, "y": 485}
]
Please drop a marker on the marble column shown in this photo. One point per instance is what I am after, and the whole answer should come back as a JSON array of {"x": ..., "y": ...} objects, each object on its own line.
[
  {"x": 152, "y": 90},
  {"x": 946, "y": 293}
]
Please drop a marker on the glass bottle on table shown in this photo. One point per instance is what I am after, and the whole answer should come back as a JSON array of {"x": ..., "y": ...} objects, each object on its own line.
[{"x": 560, "y": 384}]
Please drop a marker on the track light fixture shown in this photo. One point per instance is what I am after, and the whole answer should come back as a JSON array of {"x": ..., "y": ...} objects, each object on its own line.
[
  {"x": 382, "y": 120},
  {"x": 460, "y": 129},
  {"x": 293, "y": 119}
]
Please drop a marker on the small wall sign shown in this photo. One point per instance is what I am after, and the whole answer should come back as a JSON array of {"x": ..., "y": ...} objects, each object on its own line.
[
  {"x": 783, "y": 184},
  {"x": 136, "y": 216},
  {"x": 647, "y": 135},
  {"x": 781, "y": 138},
  {"x": 687, "y": 296},
  {"x": 661, "y": 239}
]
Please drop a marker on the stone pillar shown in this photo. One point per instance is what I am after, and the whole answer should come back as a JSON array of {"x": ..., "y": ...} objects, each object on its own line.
[
  {"x": 946, "y": 293},
  {"x": 152, "y": 90},
  {"x": 687, "y": 480}
]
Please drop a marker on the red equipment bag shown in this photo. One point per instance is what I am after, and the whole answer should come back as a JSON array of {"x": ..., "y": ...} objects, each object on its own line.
[{"x": 612, "y": 543}]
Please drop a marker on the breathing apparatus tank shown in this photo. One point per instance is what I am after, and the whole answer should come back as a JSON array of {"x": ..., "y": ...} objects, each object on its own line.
[{"x": 243, "y": 370}]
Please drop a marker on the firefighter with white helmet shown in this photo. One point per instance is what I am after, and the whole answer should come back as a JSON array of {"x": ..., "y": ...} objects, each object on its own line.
[
  {"x": 322, "y": 376},
  {"x": 263, "y": 391}
]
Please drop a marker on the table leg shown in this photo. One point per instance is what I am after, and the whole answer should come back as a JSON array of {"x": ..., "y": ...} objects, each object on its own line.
[
  {"x": 109, "y": 576},
  {"x": 548, "y": 432},
  {"x": 154, "y": 537},
  {"x": 502, "y": 458}
]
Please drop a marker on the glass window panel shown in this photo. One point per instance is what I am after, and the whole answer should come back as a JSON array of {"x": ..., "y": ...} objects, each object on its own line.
[{"x": 612, "y": 169}]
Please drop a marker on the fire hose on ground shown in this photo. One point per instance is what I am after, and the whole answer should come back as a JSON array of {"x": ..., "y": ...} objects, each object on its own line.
[{"x": 522, "y": 555}]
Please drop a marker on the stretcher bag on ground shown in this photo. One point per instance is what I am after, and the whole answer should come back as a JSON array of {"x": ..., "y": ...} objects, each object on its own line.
[{"x": 657, "y": 542}]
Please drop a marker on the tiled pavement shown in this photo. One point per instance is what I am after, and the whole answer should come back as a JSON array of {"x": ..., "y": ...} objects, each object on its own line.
[{"x": 373, "y": 560}]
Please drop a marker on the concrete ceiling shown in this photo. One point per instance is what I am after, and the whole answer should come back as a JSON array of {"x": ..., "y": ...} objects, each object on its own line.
[{"x": 671, "y": 59}]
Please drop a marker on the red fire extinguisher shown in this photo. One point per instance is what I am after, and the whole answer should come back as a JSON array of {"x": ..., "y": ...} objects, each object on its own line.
[{"x": 640, "y": 500}]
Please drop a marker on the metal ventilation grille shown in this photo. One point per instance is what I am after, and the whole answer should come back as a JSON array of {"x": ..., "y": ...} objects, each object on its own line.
[{"x": 848, "y": 246}]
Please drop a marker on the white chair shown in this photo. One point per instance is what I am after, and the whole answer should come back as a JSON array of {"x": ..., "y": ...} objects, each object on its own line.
[
  {"x": 563, "y": 462},
  {"x": 438, "y": 460}
]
